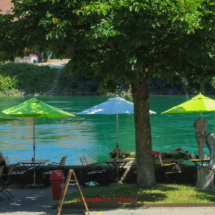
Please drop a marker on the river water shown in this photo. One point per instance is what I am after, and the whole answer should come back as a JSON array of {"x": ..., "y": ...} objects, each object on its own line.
[{"x": 95, "y": 135}]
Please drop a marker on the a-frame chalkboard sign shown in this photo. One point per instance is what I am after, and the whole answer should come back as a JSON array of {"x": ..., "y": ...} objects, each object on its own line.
[{"x": 68, "y": 179}]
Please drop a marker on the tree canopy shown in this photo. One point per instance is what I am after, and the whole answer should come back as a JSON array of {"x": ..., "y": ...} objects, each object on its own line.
[{"x": 130, "y": 39}]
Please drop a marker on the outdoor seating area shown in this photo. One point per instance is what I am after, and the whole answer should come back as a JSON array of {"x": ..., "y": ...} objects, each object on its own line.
[{"x": 116, "y": 168}]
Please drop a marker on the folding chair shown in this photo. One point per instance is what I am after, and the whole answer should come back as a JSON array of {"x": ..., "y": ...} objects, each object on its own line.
[
  {"x": 1, "y": 171},
  {"x": 167, "y": 170},
  {"x": 46, "y": 174},
  {"x": 4, "y": 182},
  {"x": 92, "y": 169},
  {"x": 94, "y": 166},
  {"x": 16, "y": 174},
  {"x": 61, "y": 164}
]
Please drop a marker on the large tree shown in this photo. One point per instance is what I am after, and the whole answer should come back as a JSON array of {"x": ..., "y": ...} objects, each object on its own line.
[{"x": 130, "y": 39}]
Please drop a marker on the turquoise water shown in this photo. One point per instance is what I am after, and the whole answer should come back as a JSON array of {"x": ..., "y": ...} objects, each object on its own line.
[{"x": 95, "y": 135}]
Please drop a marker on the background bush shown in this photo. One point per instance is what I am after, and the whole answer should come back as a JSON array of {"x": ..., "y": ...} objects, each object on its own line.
[
  {"x": 85, "y": 85},
  {"x": 75, "y": 84},
  {"x": 19, "y": 77}
]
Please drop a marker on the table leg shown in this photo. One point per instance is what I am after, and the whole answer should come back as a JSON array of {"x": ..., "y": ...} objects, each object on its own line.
[
  {"x": 37, "y": 168},
  {"x": 114, "y": 174},
  {"x": 34, "y": 177},
  {"x": 123, "y": 175}
]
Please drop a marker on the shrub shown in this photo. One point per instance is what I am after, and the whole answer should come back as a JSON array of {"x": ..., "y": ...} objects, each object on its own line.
[
  {"x": 75, "y": 83},
  {"x": 26, "y": 77}
]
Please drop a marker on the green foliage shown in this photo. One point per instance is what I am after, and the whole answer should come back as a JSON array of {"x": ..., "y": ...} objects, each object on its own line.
[
  {"x": 26, "y": 77},
  {"x": 212, "y": 82},
  {"x": 177, "y": 153},
  {"x": 75, "y": 84},
  {"x": 122, "y": 154},
  {"x": 117, "y": 39}
]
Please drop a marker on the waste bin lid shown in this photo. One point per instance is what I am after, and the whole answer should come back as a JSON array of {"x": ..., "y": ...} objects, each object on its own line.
[{"x": 57, "y": 175}]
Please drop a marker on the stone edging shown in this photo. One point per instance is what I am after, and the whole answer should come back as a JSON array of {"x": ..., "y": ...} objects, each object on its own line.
[{"x": 131, "y": 205}]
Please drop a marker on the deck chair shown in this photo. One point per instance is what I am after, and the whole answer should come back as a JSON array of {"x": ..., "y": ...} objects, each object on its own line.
[
  {"x": 48, "y": 171},
  {"x": 7, "y": 161},
  {"x": 6, "y": 180},
  {"x": 61, "y": 164},
  {"x": 16, "y": 174},
  {"x": 168, "y": 169},
  {"x": 94, "y": 166},
  {"x": 1, "y": 171},
  {"x": 92, "y": 169}
]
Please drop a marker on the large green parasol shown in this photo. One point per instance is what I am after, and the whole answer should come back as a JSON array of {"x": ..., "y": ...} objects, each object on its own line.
[
  {"x": 5, "y": 117},
  {"x": 198, "y": 103},
  {"x": 36, "y": 108}
]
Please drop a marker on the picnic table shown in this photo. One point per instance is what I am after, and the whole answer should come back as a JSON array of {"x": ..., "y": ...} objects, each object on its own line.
[
  {"x": 116, "y": 167},
  {"x": 36, "y": 166}
]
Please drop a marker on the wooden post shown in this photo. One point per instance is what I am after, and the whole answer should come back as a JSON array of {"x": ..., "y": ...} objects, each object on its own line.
[
  {"x": 205, "y": 177},
  {"x": 68, "y": 178}
]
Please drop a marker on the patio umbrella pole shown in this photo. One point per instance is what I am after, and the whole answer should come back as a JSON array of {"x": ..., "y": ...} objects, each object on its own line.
[
  {"x": 34, "y": 185},
  {"x": 117, "y": 144}
]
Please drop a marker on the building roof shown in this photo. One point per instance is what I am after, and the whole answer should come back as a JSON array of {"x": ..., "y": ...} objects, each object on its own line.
[{"x": 5, "y": 6}]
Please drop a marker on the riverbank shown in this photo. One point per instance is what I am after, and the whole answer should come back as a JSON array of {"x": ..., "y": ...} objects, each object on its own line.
[{"x": 63, "y": 84}]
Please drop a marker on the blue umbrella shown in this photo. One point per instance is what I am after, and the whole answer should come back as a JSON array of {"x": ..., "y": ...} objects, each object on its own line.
[{"x": 116, "y": 105}]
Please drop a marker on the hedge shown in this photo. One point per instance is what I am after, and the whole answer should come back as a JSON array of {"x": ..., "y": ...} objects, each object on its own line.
[{"x": 16, "y": 78}]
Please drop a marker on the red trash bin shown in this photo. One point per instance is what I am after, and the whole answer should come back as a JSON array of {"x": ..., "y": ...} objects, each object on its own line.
[{"x": 57, "y": 182}]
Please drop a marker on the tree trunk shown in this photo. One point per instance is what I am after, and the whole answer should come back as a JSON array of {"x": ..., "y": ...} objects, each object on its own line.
[{"x": 144, "y": 159}]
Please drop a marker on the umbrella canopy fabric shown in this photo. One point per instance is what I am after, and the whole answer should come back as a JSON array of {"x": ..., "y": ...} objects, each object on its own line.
[
  {"x": 5, "y": 117},
  {"x": 116, "y": 105},
  {"x": 36, "y": 108},
  {"x": 198, "y": 103}
]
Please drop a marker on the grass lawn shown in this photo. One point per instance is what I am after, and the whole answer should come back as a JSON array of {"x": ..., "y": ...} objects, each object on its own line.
[{"x": 161, "y": 193}]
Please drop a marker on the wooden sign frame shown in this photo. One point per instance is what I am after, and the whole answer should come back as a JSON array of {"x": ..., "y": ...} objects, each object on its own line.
[{"x": 68, "y": 179}]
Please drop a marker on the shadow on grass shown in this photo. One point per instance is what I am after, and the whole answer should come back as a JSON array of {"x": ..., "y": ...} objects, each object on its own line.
[
  {"x": 208, "y": 195},
  {"x": 123, "y": 192}
]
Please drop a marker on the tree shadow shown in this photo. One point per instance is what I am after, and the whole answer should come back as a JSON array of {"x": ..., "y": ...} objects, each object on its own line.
[
  {"x": 124, "y": 194},
  {"x": 205, "y": 195}
]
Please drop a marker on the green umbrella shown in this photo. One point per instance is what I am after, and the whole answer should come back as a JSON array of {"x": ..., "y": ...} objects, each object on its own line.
[
  {"x": 5, "y": 117},
  {"x": 36, "y": 108},
  {"x": 198, "y": 103}
]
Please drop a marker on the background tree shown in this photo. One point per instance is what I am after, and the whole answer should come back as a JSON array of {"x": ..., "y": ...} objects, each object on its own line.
[{"x": 120, "y": 39}]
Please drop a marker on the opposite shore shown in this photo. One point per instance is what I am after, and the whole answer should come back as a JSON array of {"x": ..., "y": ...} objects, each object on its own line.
[{"x": 51, "y": 78}]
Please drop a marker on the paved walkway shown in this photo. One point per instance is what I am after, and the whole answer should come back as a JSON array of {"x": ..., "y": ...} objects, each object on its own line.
[
  {"x": 57, "y": 63},
  {"x": 37, "y": 201}
]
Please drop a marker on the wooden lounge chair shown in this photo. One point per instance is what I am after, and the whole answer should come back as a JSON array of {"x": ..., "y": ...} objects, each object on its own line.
[
  {"x": 6, "y": 180},
  {"x": 1, "y": 171},
  {"x": 92, "y": 169},
  {"x": 48, "y": 171},
  {"x": 94, "y": 166},
  {"x": 59, "y": 165},
  {"x": 167, "y": 169},
  {"x": 17, "y": 173}
]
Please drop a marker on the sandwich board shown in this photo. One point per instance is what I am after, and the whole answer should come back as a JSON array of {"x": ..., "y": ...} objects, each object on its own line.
[{"x": 68, "y": 179}]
